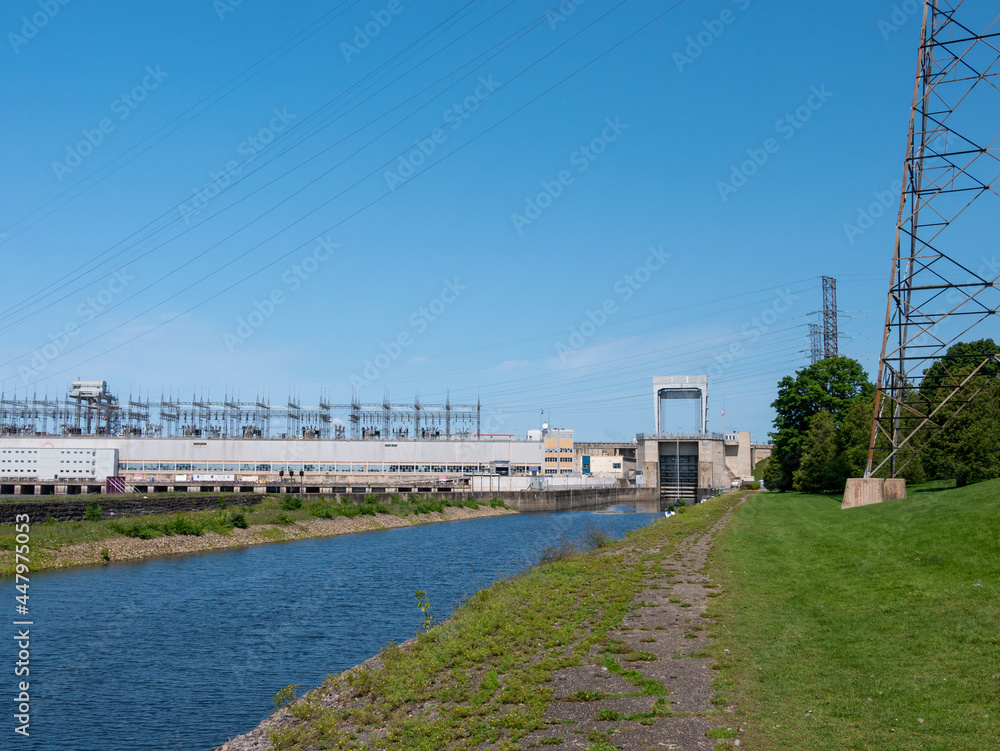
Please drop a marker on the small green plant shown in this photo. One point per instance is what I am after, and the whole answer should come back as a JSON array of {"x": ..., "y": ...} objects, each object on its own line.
[
  {"x": 286, "y": 695},
  {"x": 183, "y": 525},
  {"x": 558, "y": 552},
  {"x": 585, "y": 696},
  {"x": 595, "y": 537},
  {"x": 425, "y": 607},
  {"x": 239, "y": 520},
  {"x": 371, "y": 498},
  {"x": 49, "y": 520},
  {"x": 291, "y": 502},
  {"x": 105, "y": 554},
  {"x": 93, "y": 512},
  {"x": 282, "y": 519}
]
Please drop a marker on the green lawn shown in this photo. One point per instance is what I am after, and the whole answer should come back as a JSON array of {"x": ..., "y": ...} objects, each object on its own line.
[{"x": 872, "y": 628}]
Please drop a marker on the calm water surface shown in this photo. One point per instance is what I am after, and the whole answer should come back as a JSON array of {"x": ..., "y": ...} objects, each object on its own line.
[{"x": 182, "y": 653}]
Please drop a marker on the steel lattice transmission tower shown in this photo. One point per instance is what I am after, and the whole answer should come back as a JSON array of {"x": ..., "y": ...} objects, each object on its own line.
[
  {"x": 944, "y": 285},
  {"x": 830, "y": 345},
  {"x": 815, "y": 343}
]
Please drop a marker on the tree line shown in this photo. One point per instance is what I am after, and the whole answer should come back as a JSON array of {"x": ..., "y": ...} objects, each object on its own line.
[{"x": 823, "y": 418}]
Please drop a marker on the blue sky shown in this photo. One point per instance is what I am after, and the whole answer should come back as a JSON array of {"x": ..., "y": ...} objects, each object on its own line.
[{"x": 482, "y": 197}]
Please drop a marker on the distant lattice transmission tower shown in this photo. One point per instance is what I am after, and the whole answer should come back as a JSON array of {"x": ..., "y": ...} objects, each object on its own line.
[
  {"x": 815, "y": 343},
  {"x": 943, "y": 286},
  {"x": 830, "y": 345}
]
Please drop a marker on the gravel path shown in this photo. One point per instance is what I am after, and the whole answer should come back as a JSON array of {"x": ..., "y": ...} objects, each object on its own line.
[{"x": 670, "y": 625}]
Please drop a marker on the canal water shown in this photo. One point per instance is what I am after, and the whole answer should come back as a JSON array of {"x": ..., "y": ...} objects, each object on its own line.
[{"x": 182, "y": 653}]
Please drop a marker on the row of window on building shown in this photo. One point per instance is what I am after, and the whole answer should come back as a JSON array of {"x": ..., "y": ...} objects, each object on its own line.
[
  {"x": 32, "y": 462},
  {"x": 316, "y": 468}
]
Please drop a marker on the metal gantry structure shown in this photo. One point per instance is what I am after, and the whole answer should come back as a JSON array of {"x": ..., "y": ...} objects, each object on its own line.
[
  {"x": 99, "y": 412},
  {"x": 944, "y": 288}
]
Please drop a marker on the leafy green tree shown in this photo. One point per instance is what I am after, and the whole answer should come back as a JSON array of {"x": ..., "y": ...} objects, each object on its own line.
[
  {"x": 961, "y": 358},
  {"x": 772, "y": 473},
  {"x": 968, "y": 448},
  {"x": 818, "y": 470},
  {"x": 963, "y": 449},
  {"x": 827, "y": 386},
  {"x": 760, "y": 468},
  {"x": 853, "y": 439}
]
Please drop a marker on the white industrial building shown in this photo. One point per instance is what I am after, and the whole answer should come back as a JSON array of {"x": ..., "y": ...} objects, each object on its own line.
[
  {"x": 263, "y": 462},
  {"x": 50, "y": 463}
]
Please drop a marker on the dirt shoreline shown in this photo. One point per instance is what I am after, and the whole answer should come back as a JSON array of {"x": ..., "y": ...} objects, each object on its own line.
[{"x": 133, "y": 549}]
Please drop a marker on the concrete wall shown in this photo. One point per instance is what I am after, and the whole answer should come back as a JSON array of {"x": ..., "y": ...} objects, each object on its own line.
[
  {"x": 567, "y": 500},
  {"x": 72, "y": 510},
  {"x": 759, "y": 452},
  {"x": 739, "y": 454}
]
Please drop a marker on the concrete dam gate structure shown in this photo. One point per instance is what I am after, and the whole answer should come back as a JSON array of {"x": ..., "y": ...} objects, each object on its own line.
[{"x": 683, "y": 460}]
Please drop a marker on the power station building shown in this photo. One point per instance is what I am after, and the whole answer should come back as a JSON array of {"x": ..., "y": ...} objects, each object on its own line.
[
  {"x": 174, "y": 464},
  {"x": 225, "y": 447}
]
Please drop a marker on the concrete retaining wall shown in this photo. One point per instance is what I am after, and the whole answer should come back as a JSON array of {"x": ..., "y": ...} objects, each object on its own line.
[
  {"x": 567, "y": 500},
  {"x": 72, "y": 510}
]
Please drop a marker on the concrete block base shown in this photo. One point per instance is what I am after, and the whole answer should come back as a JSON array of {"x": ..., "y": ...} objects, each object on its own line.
[
  {"x": 866, "y": 491},
  {"x": 894, "y": 489}
]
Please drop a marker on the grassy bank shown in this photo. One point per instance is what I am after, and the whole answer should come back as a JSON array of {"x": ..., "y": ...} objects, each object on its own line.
[
  {"x": 485, "y": 675},
  {"x": 267, "y": 520},
  {"x": 872, "y": 628}
]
